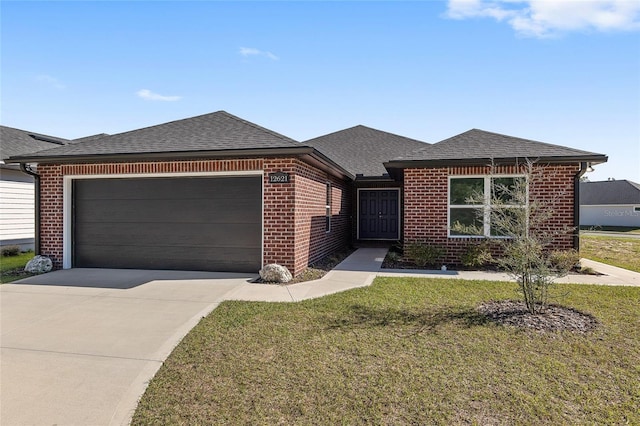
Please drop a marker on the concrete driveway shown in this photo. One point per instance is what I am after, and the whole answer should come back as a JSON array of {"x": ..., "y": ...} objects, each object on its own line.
[{"x": 79, "y": 346}]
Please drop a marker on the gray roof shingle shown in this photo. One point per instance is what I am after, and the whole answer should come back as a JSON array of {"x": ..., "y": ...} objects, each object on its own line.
[
  {"x": 609, "y": 192},
  {"x": 362, "y": 150},
  {"x": 216, "y": 131},
  {"x": 15, "y": 142},
  {"x": 482, "y": 145}
]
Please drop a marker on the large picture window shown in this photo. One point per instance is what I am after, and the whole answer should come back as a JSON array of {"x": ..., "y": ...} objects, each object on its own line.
[{"x": 475, "y": 201}]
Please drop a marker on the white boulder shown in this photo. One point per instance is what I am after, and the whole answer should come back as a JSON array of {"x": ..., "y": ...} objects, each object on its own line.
[
  {"x": 274, "y": 273},
  {"x": 39, "y": 265}
]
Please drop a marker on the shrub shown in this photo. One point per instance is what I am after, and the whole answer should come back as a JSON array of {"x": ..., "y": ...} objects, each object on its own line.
[
  {"x": 394, "y": 256},
  {"x": 564, "y": 261},
  {"x": 10, "y": 251},
  {"x": 476, "y": 255},
  {"x": 424, "y": 254}
]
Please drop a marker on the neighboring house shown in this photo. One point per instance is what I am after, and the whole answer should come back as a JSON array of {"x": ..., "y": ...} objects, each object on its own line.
[
  {"x": 17, "y": 192},
  {"x": 216, "y": 192},
  {"x": 610, "y": 203}
]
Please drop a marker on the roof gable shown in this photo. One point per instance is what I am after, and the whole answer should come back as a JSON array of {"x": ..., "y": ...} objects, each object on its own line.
[
  {"x": 216, "y": 131},
  {"x": 363, "y": 150},
  {"x": 609, "y": 192}
]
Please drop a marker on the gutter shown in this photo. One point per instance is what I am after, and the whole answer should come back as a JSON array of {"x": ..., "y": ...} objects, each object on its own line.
[
  {"x": 576, "y": 204},
  {"x": 166, "y": 155},
  {"x": 36, "y": 177},
  {"x": 407, "y": 164},
  {"x": 306, "y": 152}
]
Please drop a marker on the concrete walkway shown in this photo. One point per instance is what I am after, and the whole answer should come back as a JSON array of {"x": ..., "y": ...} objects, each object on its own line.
[
  {"x": 79, "y": 346},
  {"x": 611, "y": 275}
]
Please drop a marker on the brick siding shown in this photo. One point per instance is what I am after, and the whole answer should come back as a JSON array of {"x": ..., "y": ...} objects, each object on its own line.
[
  {"x": 311, "y": 239},
  {"x": 426, "y": 203},
  {"x": 291, "y": 235}
]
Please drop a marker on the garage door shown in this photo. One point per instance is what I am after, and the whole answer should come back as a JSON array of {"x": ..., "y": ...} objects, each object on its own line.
[{"x": 194, "y": 223}]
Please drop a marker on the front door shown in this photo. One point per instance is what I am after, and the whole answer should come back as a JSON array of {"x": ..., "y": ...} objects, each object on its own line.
[{"x": 379, "y": 214}]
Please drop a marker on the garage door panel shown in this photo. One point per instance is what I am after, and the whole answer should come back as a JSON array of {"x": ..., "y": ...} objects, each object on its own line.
[
  {"x": 180, "y": 188},
  {"x": 153, "y": 257},
  {"x": 240, "y": 210},
  {"x": 208, "y": 223},
  {"x": 184, "y": 234}
]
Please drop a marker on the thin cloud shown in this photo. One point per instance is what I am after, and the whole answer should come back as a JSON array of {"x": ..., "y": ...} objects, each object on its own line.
[
  {"x": 250, "y": 51},
  {"x": 546, "y": 18},
  {"x": 50, "y": 81},
  {"x": 151, "y": 96}
]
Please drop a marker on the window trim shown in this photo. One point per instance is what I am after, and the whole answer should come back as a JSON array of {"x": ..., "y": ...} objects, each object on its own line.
[
  {"x": 328, "y": 204},
  {"x": 486, "y": 206}
]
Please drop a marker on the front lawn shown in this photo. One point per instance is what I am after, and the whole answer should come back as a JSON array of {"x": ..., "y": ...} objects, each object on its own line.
[
  {"x": 623, "y": 252},
  {"x": 403, "y": 351},
  {"x": 12, "y": 267}
]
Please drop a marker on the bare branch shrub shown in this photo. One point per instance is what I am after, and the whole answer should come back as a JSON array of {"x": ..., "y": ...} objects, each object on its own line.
[{"x": 523, "y": 227}]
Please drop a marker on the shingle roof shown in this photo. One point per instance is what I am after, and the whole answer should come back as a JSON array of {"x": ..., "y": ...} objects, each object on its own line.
[
  {"x": 15, "y": 142},
  {"x": 609, "y": 192},
  {"x": 216, "y": 131},
  {"x": 88, "y": 138},
  {"x": 482, "y": 145},
  {"x": 362, "y": 150}
]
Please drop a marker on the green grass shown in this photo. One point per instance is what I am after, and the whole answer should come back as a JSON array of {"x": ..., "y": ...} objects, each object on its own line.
[
  {"x": 11, "y": 267},
  {"x": 403, "y": 351},
  {"x": 617, "y": 251},
  {"x": 624, "y": 229}
]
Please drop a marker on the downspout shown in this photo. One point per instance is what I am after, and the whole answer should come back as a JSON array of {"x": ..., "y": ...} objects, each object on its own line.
[
  {"x": 36, "y": 177},
  {"x": 576, "y": 204}
]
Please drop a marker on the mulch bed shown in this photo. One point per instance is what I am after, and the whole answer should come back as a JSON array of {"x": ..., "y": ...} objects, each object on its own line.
[
  {"x": 553, "y": 318},
  {"x": 318, "y": 269}
]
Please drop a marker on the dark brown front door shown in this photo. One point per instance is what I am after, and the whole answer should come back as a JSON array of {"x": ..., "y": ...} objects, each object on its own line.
[
  {"x": 185, "y": 223},
  {"x": 378, "y": 214}
]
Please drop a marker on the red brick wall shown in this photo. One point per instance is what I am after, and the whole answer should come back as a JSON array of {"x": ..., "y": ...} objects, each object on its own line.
[
  {"x": 51, "y": 210},
  {"x": 426, "y": 203},
  {"x": 279, "y": 245},
  {"x": 291, "y": 236},
  {"x": 311, "y": 239}
]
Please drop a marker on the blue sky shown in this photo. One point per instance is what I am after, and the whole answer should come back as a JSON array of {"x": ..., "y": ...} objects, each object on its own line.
[{"x": 563, "y": 72}]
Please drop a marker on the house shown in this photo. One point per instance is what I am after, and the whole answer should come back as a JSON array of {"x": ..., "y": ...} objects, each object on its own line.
[
  {"x": 17, "y": 190},
  {"x": 610, "y": 203},
  {"x": 216, "y": 192}
]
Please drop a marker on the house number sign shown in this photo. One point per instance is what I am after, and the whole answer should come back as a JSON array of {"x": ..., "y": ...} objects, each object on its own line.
[{"x": 279, "y": 177}]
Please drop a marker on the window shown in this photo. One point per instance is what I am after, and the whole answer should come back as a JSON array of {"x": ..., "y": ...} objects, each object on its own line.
[
  {"x": 476, "y": 204},
  {"x": 327, "y": 219},
  {"x": 636, "y": 209}
]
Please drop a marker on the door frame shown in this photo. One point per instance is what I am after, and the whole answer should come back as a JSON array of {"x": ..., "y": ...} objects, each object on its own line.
[
  {"x": 358, "y": 213},
  {"x": 67, "y": 203}
]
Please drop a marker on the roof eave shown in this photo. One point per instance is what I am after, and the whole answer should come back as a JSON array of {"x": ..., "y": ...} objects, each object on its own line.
[
  {"x": 307, "y": 153},
  {"x": 407, "y": 164},
  {"x": 320, "y": 160},
  {"x": 171, "y": 155}
]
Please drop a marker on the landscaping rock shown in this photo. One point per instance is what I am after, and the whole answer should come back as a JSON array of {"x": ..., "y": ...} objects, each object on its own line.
[
  {"x": 39, "y": 265},
  {"x": 274, "y": 273}
]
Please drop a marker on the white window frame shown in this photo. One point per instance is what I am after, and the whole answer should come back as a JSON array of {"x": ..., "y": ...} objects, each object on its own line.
[
  {"x": 485, "y": 206},
  {"x": 329, "y": 202}
]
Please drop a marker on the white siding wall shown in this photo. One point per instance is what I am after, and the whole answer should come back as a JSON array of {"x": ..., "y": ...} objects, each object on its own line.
[
  {"x": 16, "y": 211},
  {"x": 610, "y": 215}
]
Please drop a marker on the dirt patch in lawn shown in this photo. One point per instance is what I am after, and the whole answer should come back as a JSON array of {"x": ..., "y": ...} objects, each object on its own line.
[{"x": 553, "y": 318}]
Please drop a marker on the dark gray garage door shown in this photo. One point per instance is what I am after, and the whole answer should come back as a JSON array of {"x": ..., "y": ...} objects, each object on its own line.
[{"x": 199, "y": 223}]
